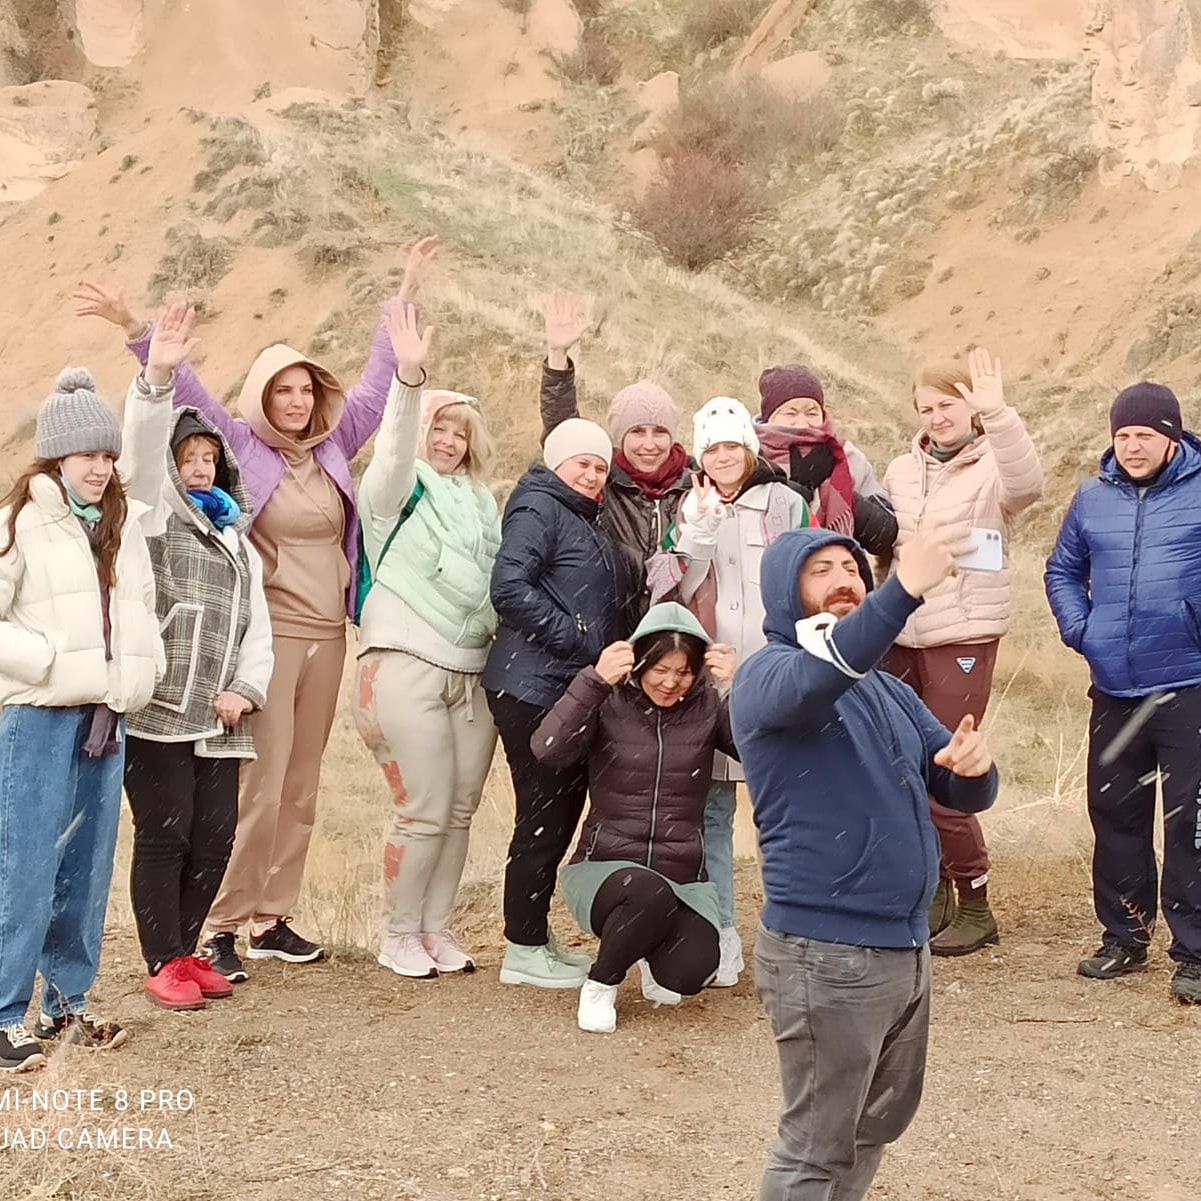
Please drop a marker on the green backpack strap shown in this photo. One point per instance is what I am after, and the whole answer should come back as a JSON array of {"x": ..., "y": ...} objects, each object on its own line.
[{"x": 365, "y": 578}]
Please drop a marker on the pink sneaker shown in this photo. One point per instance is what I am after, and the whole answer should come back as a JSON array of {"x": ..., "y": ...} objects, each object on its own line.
[
  {"x": 406, "y": 955},
  {"x": 212, "y": 984},
  {"x": 443, "y": 948}
]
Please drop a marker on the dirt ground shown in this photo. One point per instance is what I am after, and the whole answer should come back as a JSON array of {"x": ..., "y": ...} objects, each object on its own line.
[{"x": 342, "y": 1080}]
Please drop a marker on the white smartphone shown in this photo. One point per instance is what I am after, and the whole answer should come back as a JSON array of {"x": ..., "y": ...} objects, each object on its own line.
[{"x": 987, "y": 553}]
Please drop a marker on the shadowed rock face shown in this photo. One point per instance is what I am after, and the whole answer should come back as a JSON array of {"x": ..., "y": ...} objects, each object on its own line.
[{"x": 1146, "y": 86}]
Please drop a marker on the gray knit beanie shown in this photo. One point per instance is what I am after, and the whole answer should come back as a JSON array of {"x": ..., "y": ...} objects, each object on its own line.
[{"x": 73, "y": 420}]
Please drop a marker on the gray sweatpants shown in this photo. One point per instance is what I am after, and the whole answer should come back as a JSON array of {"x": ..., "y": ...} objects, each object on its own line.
[{"x": 851, "y": 1026}]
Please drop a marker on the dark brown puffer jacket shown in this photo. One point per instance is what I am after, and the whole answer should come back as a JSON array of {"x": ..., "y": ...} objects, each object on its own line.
[{"x": 648, "y": 770}]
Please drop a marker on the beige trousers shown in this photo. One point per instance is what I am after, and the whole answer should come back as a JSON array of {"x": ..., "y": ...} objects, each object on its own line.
[
  {"x": 432, "y": 734},
  {"x": 277, "y": 795}
]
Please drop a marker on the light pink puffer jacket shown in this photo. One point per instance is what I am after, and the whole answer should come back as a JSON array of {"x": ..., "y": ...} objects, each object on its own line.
[{"x": 986, "y": 485}]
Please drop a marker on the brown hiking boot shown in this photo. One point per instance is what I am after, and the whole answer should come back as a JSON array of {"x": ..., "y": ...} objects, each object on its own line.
[
  {"x": 942, "y": 908},
  {"x": 974, "y": 927}
]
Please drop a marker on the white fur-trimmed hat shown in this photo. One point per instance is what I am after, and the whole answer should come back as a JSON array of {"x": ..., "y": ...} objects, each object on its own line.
[{"x": 723, "y": 419}]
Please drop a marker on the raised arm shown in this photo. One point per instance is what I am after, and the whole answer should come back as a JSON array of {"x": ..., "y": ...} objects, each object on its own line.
[
  {"x": 391, "y": 475},
  {"x": 1067, "y": 578},
  {"x": 1019, "y": 468},
  {"x": 365, "y": 402},
  {"x": 148, "y": 410},
  {"x": 565, "y": 320},
  {"x": 568, "y": 731}
]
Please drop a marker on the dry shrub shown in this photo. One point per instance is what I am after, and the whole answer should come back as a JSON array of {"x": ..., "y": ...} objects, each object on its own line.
[
  {"x": 699, "y": 209},
  {"x": 749, "y": 123},
  {"x": 586, "y": 10},
  {"x": 593, "y": 61},
  {"x": 195, "y": 262},
  {"x": 712, "y": 23}
]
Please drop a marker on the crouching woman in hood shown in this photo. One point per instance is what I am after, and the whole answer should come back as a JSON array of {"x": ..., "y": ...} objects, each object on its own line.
[{"x": 647, "y": 721}]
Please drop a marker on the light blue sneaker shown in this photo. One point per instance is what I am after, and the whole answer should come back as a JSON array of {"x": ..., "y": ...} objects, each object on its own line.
[
  {"x": 538, "y": 966},
  {"x": 580, "y": 959}
]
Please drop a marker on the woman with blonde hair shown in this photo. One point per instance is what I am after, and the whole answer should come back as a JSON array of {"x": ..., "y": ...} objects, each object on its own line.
[
  {"x": 972, "y": 466},
  {"x": 431, "y": 530}
]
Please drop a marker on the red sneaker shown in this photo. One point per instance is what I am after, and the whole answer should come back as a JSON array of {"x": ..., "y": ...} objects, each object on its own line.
[
  {"x": 174, "y": 988},
  {"x": 211, "y": 984}
]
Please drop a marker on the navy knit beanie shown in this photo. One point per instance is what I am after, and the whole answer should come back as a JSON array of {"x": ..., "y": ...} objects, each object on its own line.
[{"x": 1148, "y": 404}]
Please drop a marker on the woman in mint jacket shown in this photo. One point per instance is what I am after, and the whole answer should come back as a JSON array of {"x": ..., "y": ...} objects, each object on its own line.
[{"x": 431, "y": 530}]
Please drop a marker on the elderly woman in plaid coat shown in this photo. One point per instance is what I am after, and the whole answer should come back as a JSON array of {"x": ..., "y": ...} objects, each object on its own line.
[{"x": 186, "y": 746}]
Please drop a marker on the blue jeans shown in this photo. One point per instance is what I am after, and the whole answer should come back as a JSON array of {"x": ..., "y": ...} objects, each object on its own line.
[
  {"x": 719, "y": 845},
  {"x": 58, "y": 833}
]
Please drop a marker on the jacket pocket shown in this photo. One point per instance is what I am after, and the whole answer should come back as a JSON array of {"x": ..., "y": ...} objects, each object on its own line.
[
  {"x": 1192, "y": 620},
  {"x": 859, "y": 863},
  {"x": 180, "y": 629}
]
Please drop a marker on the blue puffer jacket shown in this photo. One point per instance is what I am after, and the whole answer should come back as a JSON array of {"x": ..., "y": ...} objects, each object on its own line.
[
  {"x": 1124, "y": 579},
  {"x": 557, "y": 585}
]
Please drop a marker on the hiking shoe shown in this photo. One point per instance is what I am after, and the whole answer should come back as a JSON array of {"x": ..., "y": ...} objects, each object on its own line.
[
  {"x": 443, "y": 948},
  {"x": 223, "y": 959},
  {"x": 19, "y": 1050},
  {"x": 81, "y": 1030},
  {"x": 731, "y": 961},
  {"x": 1112, "y": 960},
  {"x": 540, "y": 967},
  {"x": 1186, "y": 983},
  {"x": 576, "y": 959},
  {"x": 282, "y": 942},
  {"x": 943, "y": 908},
  {"x": 212, "y": 983},
  {"x": 406, "y": 955},
  {"x": 173, "y": 987},
  {"x": 972, "y": 929},
  {"x": 598, "y": 1007},
  {"x": 652, "y": 990}
]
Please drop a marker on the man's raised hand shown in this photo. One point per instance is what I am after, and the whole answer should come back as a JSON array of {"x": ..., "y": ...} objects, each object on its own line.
[
  {"x": 925, "y": 562},
  {"x": 966, "y": 754}
]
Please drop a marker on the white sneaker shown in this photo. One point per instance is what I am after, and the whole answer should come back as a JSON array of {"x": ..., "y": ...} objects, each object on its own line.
[
  {"x": 598, "y": 1007},
  {"x": 443, "y": 948},
  {"x": 731, "y": 962},
  {"x": 652, "y": 990},
  {"x": 406, "y": 955}
]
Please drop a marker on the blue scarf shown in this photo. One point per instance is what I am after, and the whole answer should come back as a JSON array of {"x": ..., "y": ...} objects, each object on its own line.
[{"x": 217, "y": 505}]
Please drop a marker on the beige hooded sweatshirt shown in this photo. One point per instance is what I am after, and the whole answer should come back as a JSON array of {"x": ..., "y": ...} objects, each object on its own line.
[{"x": 301, "y": 530}]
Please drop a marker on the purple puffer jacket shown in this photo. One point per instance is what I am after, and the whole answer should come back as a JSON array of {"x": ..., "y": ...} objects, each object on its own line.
[{"x": 263, "y": 466}]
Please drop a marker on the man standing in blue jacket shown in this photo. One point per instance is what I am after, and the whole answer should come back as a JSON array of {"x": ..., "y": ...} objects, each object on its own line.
[
  {"x": 1124, "y": 582},
  {"x": 841, "y": 760}
]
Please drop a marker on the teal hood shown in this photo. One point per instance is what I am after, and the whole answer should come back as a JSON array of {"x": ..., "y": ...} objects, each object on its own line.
[{"x": 668, "y": 615}]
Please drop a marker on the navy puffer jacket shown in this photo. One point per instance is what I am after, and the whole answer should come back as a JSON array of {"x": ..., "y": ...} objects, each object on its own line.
[
  {"x": 558, "y": 585},
  {"x": 1124, "y": 579}
]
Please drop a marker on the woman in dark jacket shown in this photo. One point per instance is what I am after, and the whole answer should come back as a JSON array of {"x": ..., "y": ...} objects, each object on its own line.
[
  {"x": 557, "y": 586},
  {"x": 651, "y": 471},
  {"x": 646, "y": 722}
]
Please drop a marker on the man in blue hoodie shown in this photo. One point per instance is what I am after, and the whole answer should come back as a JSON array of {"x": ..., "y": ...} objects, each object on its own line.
[{"x": 840, "y": 760}]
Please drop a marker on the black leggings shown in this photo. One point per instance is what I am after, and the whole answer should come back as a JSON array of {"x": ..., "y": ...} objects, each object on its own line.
[
  {"x": 549, "y": 801},
  {"x": 637, "y": 916},
  {"x": 185, "y": 811}
]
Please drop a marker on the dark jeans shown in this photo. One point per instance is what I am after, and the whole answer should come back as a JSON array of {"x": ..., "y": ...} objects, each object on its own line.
[
  {"x": 851, "y": 1026},
  {"x": 1159, "y": 743},
  {"x": 549, "y": 804},
  {"x": 638, "y": 916},
  {"x": 185, "y": 811}
]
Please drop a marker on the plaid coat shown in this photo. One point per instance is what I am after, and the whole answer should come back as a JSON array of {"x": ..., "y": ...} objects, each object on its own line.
[{"x": 210, "y": 602}]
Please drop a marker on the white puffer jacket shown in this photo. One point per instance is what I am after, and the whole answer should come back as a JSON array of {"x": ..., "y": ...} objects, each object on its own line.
[{"x": 51, "y": 626}]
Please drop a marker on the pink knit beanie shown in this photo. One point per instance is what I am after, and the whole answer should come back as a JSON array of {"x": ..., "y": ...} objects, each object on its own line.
[{"x": 642, "y": 403}]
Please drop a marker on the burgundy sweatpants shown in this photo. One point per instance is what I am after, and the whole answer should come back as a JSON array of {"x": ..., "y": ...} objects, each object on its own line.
[{"x": 952, "y": 681}]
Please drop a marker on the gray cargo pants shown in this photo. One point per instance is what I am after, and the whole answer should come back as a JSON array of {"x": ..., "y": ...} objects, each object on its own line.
[{"x": 851, "y": 1026}]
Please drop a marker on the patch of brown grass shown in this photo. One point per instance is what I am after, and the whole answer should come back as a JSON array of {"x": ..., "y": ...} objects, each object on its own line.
[
  {"x": 712, "y": 23},
  {"x": 592, "y": 62}
]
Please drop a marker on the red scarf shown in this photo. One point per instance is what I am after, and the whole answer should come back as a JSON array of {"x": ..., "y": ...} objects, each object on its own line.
[
  {"x": 837, "y": 494},
  {"x": 656, "y": 484}
]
